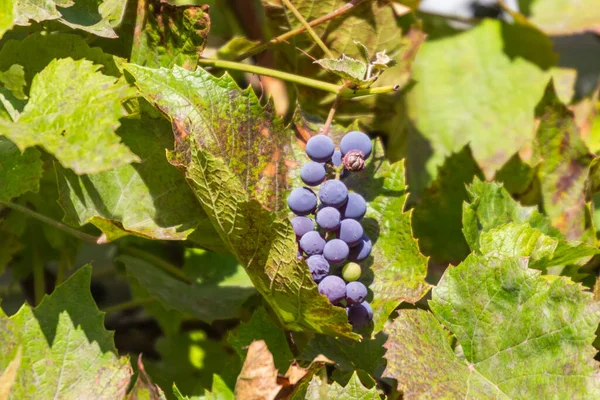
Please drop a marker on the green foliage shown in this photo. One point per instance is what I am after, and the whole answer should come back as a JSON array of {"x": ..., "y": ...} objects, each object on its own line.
[
  {"x": 150, "y": 199},
  {"x": 559, "y": 17},
  {"x": 260, "y": 327},
  {"x": 437, "y": 217},
  {"x": 492, "y": 305},
  {"x": 72, "y": 112},
  {"x": 354, "y": 390},
  {"x": 88, "y": 15},
  {"x": 168, "y": 35},
  {"x": 19, "y": 172},
  {"x": 139, "y": 176},
  {"x": 205, "y": 302},
  {"x": 63, "y": 346},
  {"x": 501, "y": 108}
]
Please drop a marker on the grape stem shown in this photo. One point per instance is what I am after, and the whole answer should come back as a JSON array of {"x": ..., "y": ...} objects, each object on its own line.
[
  {"x": 344, "y": 92},
  {"x": 334, "y": 107},
  {"x": 287, "y": 35},
  {"x": 310, "y": 30}
]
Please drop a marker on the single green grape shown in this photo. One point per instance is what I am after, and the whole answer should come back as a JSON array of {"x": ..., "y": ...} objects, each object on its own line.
[{"x": 351, "y": 272}]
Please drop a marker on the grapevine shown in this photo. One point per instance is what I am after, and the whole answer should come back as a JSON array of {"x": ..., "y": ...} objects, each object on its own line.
[{"x": 334, "y": 240}]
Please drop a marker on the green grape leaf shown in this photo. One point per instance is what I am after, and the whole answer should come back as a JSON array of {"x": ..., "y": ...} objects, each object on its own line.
[
  {"x": 347, "y": 355},
  {"x": 561, "y": 17},
  {"x": 168, "y": 320},
  {"x": 361, "y": 73},
  {"x": 494, "y": 129},
  {"x": 37, "y": 50},
  {"x": 563, "y": 168},
  {"x": 395, "y": 271},
  {"x": 205, "y": 302},
  {"x": 7, "y": 19},
  {"x": 347, "y": 68},
  {"x": 492, "y": 305},
  {"x": 544, "y": 252},
  {"x": 37, "y": 10},
  {"x": 150, "y": 199},
  {"x": 13, "y": 79},
  {"x": 421, "y": 358},
  {"x": 168, "y": 35},
  {"x": 237, "y": 169},
  {"x": 93, "y": 16},
  {"x": 72, "y": 112},
  {"x": 354, "y": 390},
  {"x": 20, "y": 172},
  {"x": 491, "y": 206},
  {"x": 261, "y": 327},
  {"x": 66, "y": 352},
  {"x": 437, "y": 218}
]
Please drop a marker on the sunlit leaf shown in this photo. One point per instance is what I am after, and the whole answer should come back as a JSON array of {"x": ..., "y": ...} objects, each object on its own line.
[
  {"x": 492, "y": 305},
  {"x": 66, "y": 352},
  {"x": 73, "y": 112}
]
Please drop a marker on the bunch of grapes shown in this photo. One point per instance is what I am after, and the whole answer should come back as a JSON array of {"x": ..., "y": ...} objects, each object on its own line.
[{"x": 337, "y": 241}]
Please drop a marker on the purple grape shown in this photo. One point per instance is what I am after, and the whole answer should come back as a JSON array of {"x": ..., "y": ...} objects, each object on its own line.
[
  {"x": 318, "y": 266},
  {"x": 302, "y": 201},
  {"x": 356, "y": 292},
  {"x": 312, "y": 243},
  {"x": 320, "y": 148},
  {"x": 359, "y": 315},
  {"x": 351, "y": 232},
  {"x": 361, "y": 250},
  {"x": 328, "y": 218},
  {"x": 336, "y": 159},
  {"x": 333, "y": 193},
  {"x": 302, "y": 225},
  {"x": 312, "y": 173},
  {"x": 336, "y": 251},
  {"x": 333, "y": 287},
  {"x": 355, "y": 207},
  {"x": 356, "y": 140}
]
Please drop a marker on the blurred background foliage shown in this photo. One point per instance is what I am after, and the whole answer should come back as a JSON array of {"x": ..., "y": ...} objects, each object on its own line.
[{"x": 472, "y": 75}]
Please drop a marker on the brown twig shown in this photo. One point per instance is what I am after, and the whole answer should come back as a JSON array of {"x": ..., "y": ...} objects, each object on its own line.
[
  {"x": 306, "y": 25},
  {"x": 283, "y": 37},
  {"x": 332, "y": 110}
]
